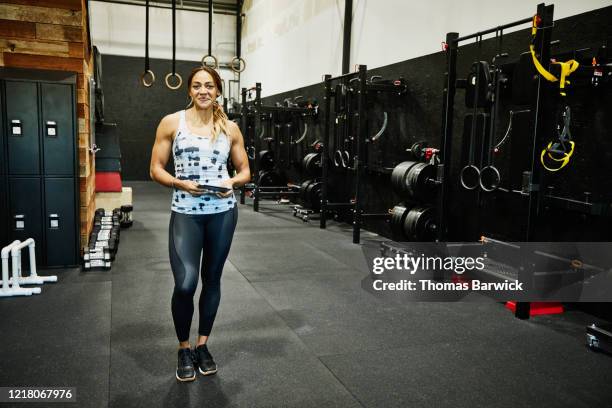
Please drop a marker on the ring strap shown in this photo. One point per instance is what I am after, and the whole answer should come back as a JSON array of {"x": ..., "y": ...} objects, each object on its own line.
[
  {"x": 147, "y": 67},
  {"x": 174, "y": 36}
]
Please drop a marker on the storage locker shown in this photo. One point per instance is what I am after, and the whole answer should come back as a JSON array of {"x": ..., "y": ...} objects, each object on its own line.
[
  {"x": 60, "y": 220},
  {"x": 57, "y": 136},
  {"x": 3, "y": 212},
  {"x": 22, "y": 128},
  {"x": 25, "y": 211}
]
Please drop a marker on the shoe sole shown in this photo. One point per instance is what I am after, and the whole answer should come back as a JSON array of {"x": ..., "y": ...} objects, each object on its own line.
[
  {"x": 188, "y": 379},
  {"x": 211, "y": 372}
]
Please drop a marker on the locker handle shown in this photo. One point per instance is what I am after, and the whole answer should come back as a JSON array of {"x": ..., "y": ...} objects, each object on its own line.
[
  {"x": 51, "y": 128},
  {"x": 53, "y": 221},
  {"x": 19, "y": 221},
  {"x": 16, "y": 127}
]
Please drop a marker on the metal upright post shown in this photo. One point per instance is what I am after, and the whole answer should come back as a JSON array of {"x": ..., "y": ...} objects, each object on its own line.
[
  {"x": 357, "y": 166},
  {"x": 243, "y": 126},
  {"x": 325, "y": 151},
  {"x": 542, "y": 46},
  {"x": 257, "y": 104},
  {"x": 447, "y": 132}
]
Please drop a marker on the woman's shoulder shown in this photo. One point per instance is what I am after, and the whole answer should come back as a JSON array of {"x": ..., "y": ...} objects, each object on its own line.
[
  {"x": 172, "y": 118},
  {"x": 171, "y": 121},
  {"x": 232, "y": 129}
]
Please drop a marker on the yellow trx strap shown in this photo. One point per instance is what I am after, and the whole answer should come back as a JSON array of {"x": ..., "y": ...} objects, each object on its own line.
[
  {"x": 564, "y": 160},
  {"x": 566, "y": 67}
]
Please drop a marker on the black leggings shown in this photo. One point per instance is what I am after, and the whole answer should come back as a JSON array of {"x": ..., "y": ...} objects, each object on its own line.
[{"x": 190, "y": 235}]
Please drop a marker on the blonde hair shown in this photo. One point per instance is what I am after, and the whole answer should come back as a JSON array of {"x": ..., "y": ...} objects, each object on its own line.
[{"x": 220, "y": 119}]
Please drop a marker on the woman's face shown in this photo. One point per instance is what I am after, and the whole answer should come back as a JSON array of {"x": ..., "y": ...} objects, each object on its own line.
[{"x": 203, "y": 90}]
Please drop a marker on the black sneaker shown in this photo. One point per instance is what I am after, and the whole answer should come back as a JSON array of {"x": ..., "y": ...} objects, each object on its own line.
[
  {"x": 203, "y": 359},
  {"x": 185, "y": 369}
]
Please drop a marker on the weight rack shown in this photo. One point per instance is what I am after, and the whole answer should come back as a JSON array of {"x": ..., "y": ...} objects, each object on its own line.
[
  {"x": 249, "y": 126},
  {"x": 359, "y": 147},
  {"x": 534, "y": 180}
]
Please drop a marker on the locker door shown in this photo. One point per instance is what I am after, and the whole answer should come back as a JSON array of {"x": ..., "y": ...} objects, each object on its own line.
[
  {"x": 60, "y": 221},
  {"x": 24, "y": 212},
  {"x": 22, "y": 126},
  {"x": 3, "y": 213},
  {"x": 2, "y": 133},
  {"x": 57, "y": 129}
]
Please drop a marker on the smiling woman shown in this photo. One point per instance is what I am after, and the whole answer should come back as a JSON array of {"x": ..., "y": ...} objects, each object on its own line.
[{"x": 201, "y": 140}]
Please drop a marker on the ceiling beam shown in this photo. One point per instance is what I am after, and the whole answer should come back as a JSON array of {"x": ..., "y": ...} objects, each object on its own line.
[{"x": 218, "y": 7}]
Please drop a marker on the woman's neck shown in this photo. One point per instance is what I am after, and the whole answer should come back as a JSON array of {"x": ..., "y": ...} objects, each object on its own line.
[{"x": 201, "y": 116}]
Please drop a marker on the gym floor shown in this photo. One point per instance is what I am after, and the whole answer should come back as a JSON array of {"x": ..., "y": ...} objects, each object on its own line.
[{"x": 294, "y": 329}]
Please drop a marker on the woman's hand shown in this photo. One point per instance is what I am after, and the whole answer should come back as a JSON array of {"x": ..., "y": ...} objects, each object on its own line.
[
  {"x": 189, "y": 186},
  {"x": 227, "y": 184}
]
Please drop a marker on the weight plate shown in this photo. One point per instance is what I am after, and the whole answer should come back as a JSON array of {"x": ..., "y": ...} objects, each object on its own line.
[
  {"x": 398, "y": 176},
  {"x": 266, "y": 160},
  {"x": 269, "y": 179},
  {"x": 303, "y": 188},
  {"x": 398, "y": 215},
  {"x": 417, "y": 181},
  {"x": 419, "y": 224},
  {"x": 315, "y": 195}
]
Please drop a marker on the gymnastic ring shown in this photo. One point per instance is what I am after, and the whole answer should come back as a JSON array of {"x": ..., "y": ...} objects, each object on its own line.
[
  {"x": 337, "y": 158},
  {"x": 216, "y": 62},
  {"x": 470, "y": 168},
  {"x": 143, "y": 77},
  {"x": 346, "y": 158},
  {"x": 241, "y": 64},
  {"x": 492, "y": 184},
  {"x": 174, "y": 74}
]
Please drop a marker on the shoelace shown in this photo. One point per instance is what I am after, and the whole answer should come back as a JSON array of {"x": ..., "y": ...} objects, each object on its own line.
[{"x": 185, "y": 358}]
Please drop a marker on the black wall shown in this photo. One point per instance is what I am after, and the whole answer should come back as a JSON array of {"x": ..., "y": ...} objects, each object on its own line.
[
  {"x": 417, "y": 115},
  {"x": 138, "y": 110}
]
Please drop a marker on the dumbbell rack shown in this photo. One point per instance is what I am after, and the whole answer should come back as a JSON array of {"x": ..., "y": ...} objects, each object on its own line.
[
  {"x": 535, "y": 180},
  {"x": 249, "y": 127},
  {"x": 359, "y": 145}
]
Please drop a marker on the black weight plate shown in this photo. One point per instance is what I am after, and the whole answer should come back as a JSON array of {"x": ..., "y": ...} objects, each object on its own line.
[
  {"x": 311, "y": 162},
  {"x": 419, "y": 224},
  {"x": 315, "y": 195},
  {"x": 398, "y": 215},
  {"x": 269, "y": 179},
  {"x": 398, "y": 176},
  {"x": 303, "y": 188},
  {"x": 266, "y": 160},
  {"x": 417, "y": 181}
]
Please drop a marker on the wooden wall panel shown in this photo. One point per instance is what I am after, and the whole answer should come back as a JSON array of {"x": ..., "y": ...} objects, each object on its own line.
[
  {"x": 52, "y": 48},
  {"x": 43, "y": 62},
  {"x": 59, "y": 32},
  {"x": 41, "y": 14},
  {"x": 17, "y": 29},
  {"x": 60, "y": 4}
]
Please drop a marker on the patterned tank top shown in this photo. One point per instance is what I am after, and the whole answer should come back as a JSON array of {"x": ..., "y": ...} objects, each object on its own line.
[{"x": 197, "y": 159}]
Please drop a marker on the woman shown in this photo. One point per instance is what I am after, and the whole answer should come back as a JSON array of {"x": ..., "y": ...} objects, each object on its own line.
[{"x": 201, "y": 138}]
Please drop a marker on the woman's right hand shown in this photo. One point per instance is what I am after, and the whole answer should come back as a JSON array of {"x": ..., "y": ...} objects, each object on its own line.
[{"x": 189, "y": 186}]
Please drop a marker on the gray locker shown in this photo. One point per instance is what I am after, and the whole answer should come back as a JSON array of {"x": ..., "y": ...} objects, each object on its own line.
[
  {"x": 58, "y": 137},
  {"x": 2, "y": 134},
  {"x": 22, "y": 128},
  {"x": 25, "y": 210},
  {"x": 60, "y": 221},
  {"x": 3, "y": 213}
]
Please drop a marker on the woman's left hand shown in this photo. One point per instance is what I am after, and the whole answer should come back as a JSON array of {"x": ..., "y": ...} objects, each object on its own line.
[{"x": 227, "y": 184}]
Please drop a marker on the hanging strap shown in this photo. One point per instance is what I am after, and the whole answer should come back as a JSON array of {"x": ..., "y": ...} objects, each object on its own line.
[
  {"x": 209, "y": 56},
  {"x": 147, "y": 78},
  {"x": 173, "y": 73},
  {"x": 567, "y": 67}
]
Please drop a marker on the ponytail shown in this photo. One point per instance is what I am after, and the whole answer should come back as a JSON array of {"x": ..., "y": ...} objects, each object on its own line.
[{"x": 220, "y": 120}]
